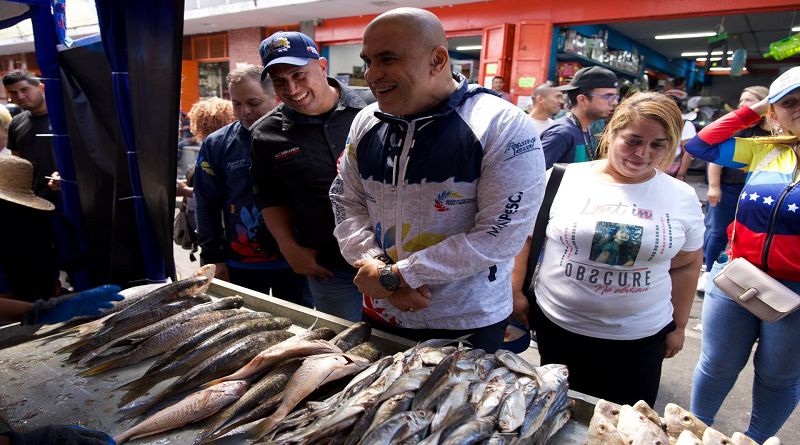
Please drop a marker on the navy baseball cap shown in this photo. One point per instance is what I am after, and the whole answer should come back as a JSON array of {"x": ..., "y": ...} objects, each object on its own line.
[{"x": 293, "y": 48}]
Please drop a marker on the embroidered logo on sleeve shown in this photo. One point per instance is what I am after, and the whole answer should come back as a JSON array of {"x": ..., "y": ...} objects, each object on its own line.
[
  {"x": 518, "y": 148},
  {"x": 289, "y": 152}
]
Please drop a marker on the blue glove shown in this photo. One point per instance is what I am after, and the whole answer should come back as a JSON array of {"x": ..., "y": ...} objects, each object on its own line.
[
  {"x": 60, "y": 435},
  {"x": 89, "y": 302}
]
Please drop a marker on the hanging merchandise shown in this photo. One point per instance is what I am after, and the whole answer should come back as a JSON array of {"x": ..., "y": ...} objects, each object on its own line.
[
  {"x": 596, "y": 48},
  {"x": 739, "y": 59},
  {"x": 784, "y": 48}
]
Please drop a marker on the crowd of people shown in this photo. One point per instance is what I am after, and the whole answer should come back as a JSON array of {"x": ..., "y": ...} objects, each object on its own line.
[{"x": 410, "y": 205}]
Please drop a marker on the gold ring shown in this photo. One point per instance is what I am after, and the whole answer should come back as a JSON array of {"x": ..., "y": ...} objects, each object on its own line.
[{"x": 411, "y": 309}]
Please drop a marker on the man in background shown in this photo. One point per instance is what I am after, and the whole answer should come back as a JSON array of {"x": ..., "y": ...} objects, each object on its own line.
[
  {"x": 27, "y": 91},
  {"x": 295, "y": 148},
  {"x": 593, "y": 95},
  {"x": 546, "y": 101},
  {"x": 242, "y": 249},
  {"x": 499, "y": 86}
]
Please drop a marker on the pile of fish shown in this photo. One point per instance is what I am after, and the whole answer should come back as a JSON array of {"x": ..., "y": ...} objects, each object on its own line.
[
  {"x": 429, "y": 394},
  {"x": 640, "y": 424}
]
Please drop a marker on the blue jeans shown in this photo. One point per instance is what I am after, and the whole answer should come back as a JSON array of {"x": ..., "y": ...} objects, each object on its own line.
[
  {"x": 338, "y": 296},
  {"x": 718, "y": 218},
  {"x": 729, "y": 333}
]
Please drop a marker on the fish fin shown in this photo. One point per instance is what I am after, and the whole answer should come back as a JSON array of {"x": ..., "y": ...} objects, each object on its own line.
[
  {"x": 72, "y": 347},
  {"x": 135, "y": 393},
  {"x": 255, "y": 433},
  {"x": 103, "y": 367}
]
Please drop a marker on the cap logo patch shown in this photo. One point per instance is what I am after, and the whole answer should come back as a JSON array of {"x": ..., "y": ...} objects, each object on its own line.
[
  {"x": 280, "y": 44},
  {"x": 311, "y": 49}
]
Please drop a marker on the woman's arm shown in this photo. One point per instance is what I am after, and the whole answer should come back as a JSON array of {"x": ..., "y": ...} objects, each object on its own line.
[
  {"x": 715, "y": 143},
  {"x": 684, "y": 271},
  {"x": 714, "y": 179},
  {"x": 521, "y": 307}
]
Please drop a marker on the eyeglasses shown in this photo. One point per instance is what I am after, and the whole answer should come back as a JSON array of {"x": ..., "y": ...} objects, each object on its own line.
[{"x": 608, "y": 97}]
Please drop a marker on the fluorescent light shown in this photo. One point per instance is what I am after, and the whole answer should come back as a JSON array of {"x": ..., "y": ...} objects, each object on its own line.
[
  {"x": 796, "y": 29},
  {"x": 690, "y": 35},
  {"x": 719, "y": 68},
  {"x": 469, "y": 47},
  {"x": 702, "y": 53},
  {"x": 713, "y": 59}
]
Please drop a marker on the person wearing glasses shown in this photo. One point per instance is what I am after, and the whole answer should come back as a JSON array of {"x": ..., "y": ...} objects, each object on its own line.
[{"x": 593, "y": 95}]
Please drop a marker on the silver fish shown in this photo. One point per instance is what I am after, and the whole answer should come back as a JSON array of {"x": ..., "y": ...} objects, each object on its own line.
[
  {"x": 512, "y": 412},
  {"x": 457, "y": 396},
  {"x": 491, "y": 397},
  {"x": 386, "y": 431},
  {"x": 471, "y": 432}
]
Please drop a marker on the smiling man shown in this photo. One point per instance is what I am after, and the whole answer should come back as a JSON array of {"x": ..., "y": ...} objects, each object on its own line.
[
  {"x": 294, "y": 153},
  {"x": 436, "y": 190}
]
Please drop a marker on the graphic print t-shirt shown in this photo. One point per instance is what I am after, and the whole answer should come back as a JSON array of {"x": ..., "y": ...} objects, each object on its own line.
[{"x": 605, "y": 268}]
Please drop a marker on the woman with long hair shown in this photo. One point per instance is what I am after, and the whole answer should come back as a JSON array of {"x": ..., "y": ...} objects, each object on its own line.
[{"x": 767, "y": 234}]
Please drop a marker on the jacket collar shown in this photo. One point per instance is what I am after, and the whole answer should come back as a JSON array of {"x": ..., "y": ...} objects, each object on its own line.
[
  {"x": 445, "y": 107},
  {"x": 347, "y": 99}
]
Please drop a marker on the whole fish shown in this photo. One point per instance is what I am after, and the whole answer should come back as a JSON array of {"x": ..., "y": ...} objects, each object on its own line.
[
  {"x": 278, "y": 353},
  {"x": 194, "y": 285},
  {"x": 315, "y": 372},
  {"x": 388, "y": 429},
  {"x": 678, "y": 419},
  {"x": 203, "y": 351},
  {"x": 406, "y": 382},
  {"x": 491, "y": 397},
  {"x": 194, "y": 407},
  {"x": 208, "y": 332},
  {"x": 130, "y": 295},
  {"x": 472, "y": 431},
  {"x": 367, "y": 350},
  {"x": 512, "y": 412},
  {"x": 163, "y": 341},
  {"x": 642, "y": 407},
  {"x": 687, "y": 438},
  {"x": 634, "y": 426},
  {"x": 269, "y": 386},
  {"x": 81, "y": 347},
  {"x": 151, "y": 330},
  {"x": 457, "y": 396},
  {"x": 740, "y": 439},
  {"x": 603, "y": 431},
  {"x": 353, "y": 336},
  {"x": 417, "y": 424},
  {"x": 456, "y": 418},
  {"x": 714, "y": 437},
  {"x": 608, "y": 410},
  {"x": 390, "y": 408},
  {"x": 219, "y": 364},
  {"x": 537, "y": 414},
  {"x": 433, "y": 386},
  {"x": 516, "y": 363},
  {"x": 366, "y": 377}
]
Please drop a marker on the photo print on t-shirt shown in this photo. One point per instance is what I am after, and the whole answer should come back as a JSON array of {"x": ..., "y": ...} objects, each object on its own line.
[{"x": 616, "y": 244}]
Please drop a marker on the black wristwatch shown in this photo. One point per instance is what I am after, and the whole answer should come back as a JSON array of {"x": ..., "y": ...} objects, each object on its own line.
[{"x": 388, "y": 279}]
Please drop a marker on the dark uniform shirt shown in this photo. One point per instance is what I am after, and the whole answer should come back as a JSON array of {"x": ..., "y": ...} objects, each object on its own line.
[
  {"x": 39, "y": 150},
  {"x": 294, "y": 163}
]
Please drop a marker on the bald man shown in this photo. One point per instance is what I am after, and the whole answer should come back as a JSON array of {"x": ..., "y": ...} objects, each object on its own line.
[{"x": 436, "y": 189}]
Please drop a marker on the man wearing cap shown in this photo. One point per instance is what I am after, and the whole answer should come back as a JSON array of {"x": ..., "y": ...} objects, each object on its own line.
[
  {"x": 593, "y": 95},
  {"x": 294, "y": 152},
  {"x": 25, "y": 90},
  {"x": 436, "y": 190}
]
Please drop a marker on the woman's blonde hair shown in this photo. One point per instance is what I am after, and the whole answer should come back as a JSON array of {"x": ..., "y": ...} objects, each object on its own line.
[
  {"x": 209, "y": 116},
  {"x": 649, "y": 105}
]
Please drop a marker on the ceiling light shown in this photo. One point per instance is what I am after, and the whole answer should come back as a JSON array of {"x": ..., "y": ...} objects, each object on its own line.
[
  {"x": 796, "y": 28},
  {"x": 702, "y": 53},
  {"x": 469, "y": 48},
  {"x": 719, "y": 68},
  {"x": 713, "y": 59},
  {"x": 690, "y": 35},
  {"x": 382, "y": 3}
]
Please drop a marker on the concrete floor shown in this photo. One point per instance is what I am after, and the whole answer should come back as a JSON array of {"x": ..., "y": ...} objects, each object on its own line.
[{"x": 676, "y": 379}]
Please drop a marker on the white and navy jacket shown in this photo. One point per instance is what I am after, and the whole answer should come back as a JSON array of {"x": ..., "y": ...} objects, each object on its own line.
[{"x": 450, "y": 196}]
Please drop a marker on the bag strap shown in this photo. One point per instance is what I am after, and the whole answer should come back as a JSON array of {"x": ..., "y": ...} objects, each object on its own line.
[
  {"x": 761, "y": 165},
  {"x": 542, "y": 219}
]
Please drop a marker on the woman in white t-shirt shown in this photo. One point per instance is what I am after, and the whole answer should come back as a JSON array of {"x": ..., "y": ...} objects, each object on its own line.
[{"x": 622, "y": 255}]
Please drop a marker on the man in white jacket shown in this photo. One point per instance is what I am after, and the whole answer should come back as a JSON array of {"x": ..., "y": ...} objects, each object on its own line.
[{"x": 436, "y": 189}]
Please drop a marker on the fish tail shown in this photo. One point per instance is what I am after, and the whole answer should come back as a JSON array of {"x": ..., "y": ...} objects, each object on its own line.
[
  {"x": 103, "y": 367},
  {"x": 257, "y": 432},
  {"x": 123, "y": 437},
  {"x": 135, "y": 393},
  {"x": 72, "y": 346}
]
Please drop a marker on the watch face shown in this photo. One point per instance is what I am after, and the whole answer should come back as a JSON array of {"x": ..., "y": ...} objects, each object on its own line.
[{"x": 388, "y": 279}]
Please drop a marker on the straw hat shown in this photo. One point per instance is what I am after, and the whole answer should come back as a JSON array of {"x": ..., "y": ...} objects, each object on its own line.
[{"x": 16, "y": 177}]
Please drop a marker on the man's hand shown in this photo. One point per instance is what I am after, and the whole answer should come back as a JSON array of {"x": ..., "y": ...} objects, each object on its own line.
[
  {"x": 367, "y": 278},
  {"x": 714, "y": 195},
  {"x": 221, "y": 272},
  {"x": 408, "y": 299},
  {"x": 303, "y": 260},
  {"x": 674, "y": 344},
  {"x": 55, "y": 183},
  {"x": 183, "y": 189},
  {"x": 521, "y": 307}
]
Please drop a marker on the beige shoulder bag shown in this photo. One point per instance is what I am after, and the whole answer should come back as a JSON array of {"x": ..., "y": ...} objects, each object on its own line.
[{"x": 751, "y": 287}]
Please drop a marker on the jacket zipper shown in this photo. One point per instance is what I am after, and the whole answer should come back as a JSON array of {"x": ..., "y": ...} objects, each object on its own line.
[
  {"x": 408, "y": 141},
  {"x": 774, "y": 220}
]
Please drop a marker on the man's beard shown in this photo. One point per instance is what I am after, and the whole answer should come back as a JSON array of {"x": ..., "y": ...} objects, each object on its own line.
[{"x": 36, "y": 104}]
